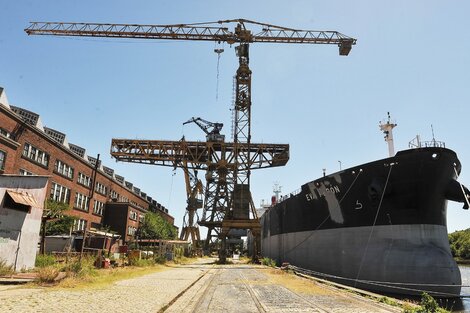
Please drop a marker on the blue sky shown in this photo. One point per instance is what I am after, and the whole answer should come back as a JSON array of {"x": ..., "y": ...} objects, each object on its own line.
[{"x": 412, "y": 59}]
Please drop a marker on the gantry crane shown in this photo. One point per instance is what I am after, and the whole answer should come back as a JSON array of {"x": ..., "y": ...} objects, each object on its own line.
[
  {"x": 235, "y": 180},
  {"x": 218, "y": 159}
]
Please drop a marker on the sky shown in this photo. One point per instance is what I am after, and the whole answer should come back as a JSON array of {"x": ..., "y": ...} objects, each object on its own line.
[{"x": 411, "y": 59}]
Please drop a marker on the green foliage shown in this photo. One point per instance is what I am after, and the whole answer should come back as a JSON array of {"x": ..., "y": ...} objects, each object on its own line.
[
  {"x": 60, "y": 226},
  {"x": 388, "y": 301},
  {"x": 161, "y": 259},
  {"x": 44, "y": 260},
  {"x": 81, "y": 268},
  {"x": 57, "y": 223},
  {"x": 268, "y": 262},
  {"x": 460, "y": 243},
  {"x": 141, "y": 262},
  {"x": 156, "y": 227},
  {"x": 54, "y": 209},
  {"x": 427, "y": 305},
  {"x": 5, "y": 269}
]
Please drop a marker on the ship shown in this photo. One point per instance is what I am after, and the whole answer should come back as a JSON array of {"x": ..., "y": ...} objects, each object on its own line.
[{"x": 379, "y": 226}]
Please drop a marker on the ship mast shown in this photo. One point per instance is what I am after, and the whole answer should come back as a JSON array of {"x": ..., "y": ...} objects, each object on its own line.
[{"x": 387, "y": 128}]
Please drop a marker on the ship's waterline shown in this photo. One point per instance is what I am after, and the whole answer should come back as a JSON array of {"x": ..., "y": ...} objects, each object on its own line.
[{"x": 392, "y": 259}]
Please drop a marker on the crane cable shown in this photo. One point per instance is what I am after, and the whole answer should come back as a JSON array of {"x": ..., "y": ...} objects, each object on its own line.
[{"x": 218, "y": 51}]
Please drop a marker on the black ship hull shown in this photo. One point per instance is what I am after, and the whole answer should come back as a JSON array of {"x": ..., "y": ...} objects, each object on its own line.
[{"x": 379, "y": 226}]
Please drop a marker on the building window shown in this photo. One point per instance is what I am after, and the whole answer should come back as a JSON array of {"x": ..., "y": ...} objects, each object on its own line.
[
  {"x": 3, "y": 157},
  {"x": 81, "y": 202},
  {"x": 101, "y": 189},
  {"x": 133, "y": 215},
  {"x": 36, "y": 155},
  {"x": 4, "y": 132},
  {"x": 79, "y": 225},
  {"x": 131, "y": 230},
  {"x": 98, "y": 207},
  {"x": 60, "y": 193},
  {"x": 141, "y": 218},
  {"x": 114, "y": 195},
  {"x": 84, "y": 180},
  {"x": 63, "y": 169},
  {"x": 25, "y": 172}
]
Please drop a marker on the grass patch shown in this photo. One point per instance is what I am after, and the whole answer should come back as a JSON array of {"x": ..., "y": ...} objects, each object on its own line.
[
  {"x": 295, "y": 283},
  {"x": 44, "y": 260},
  {"x": 104, "y": 277},
  {"x": 388, "y": 301}
]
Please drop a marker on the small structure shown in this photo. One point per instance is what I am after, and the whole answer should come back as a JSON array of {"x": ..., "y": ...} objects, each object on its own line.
[{"x": 21, "y": 208}]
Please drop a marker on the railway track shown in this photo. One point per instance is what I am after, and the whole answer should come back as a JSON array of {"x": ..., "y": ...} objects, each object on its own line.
[{"x": 245, "y": 288}]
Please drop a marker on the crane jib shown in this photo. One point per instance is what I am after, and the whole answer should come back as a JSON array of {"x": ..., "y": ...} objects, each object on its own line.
[{"x": 187, "y": 32}]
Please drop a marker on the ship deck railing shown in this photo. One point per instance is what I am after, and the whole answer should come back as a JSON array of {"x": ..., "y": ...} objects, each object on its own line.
[{"x": 292, "y": 194}]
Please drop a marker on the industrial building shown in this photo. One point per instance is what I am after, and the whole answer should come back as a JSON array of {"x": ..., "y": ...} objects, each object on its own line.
[{"x": 91, "y": 189}]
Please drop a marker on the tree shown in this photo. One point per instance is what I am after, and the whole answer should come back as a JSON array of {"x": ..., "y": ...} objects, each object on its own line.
[
  {"x": 54, "y": 221},
  {"x": 156, "y": 227},
  {"x": 460, "y": 243}
]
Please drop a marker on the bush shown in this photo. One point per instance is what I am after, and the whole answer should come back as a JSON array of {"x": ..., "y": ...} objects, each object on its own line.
[
  {"x": 5, "y": 269},
  {"x": 161, "y": 259},
  {"x": 44, "y": 260},
  {"x": 268, "y": 262},
  {"x": 141, "y": 262},
  {"x": 47, "y": 274},
  {"x": 81, "y": 268},
  {"x": 427, "y": 305}
]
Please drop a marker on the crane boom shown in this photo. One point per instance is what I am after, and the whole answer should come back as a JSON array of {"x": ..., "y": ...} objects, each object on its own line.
[{"x": 199, "y": 31}]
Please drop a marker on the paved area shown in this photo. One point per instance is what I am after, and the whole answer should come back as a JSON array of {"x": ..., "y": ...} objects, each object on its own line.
[{"x": 193, "y": 288}]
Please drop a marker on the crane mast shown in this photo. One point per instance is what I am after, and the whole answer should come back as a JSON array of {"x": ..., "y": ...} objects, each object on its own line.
[
  {"x": 194, "y": 189},
  {"x": 235, "y": 209}
]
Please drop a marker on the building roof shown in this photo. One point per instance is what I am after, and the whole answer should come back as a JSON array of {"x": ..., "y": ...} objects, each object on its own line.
[
  {"x": 34, "y": 120},
  {"x": 3, "y": 98}
]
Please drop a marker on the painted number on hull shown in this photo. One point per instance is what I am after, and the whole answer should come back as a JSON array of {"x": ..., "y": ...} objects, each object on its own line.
[{"x": 358, "y": 205}]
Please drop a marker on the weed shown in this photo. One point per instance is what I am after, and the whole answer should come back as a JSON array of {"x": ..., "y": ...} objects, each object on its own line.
[
  {"x": 161, "y": 259},
  {"x": 44, "y": 260},
  {"x": 5, "y": 269},
  {"x": 141, "y": 262},
  {"x": 388, "y": 301},
  {"x": 81, "y": 268},
  {"x": 427, "y": 305},
  {"x": 268, "y": 262},
  {"x": 47, "y": 274}
]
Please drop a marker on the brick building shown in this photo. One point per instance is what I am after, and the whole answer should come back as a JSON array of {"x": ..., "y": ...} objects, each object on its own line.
[{"x": 90, "y": 188}]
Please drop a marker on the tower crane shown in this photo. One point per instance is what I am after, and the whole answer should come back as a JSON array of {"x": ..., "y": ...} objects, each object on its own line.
[{"x": 233, "y": 212}]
